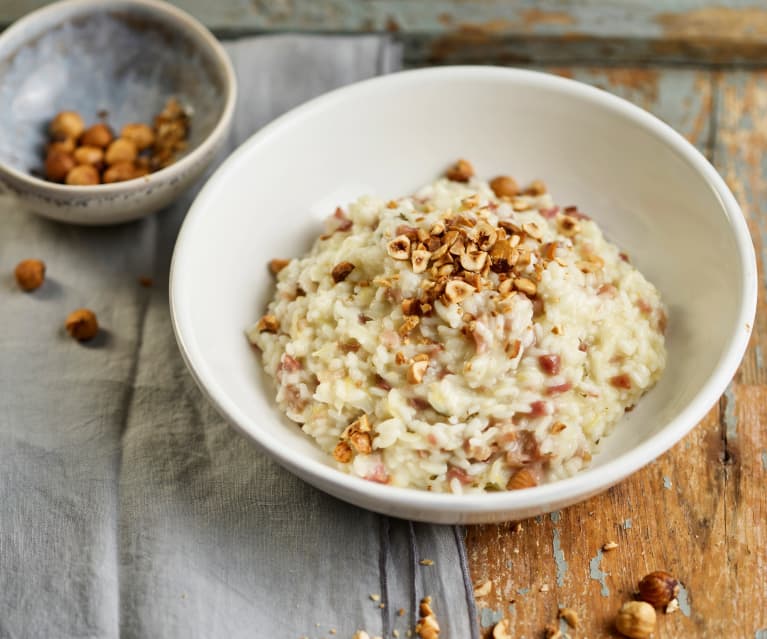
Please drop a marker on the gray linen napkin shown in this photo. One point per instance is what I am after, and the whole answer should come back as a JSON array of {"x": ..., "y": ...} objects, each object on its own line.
[{"x": 127, "y": 506}]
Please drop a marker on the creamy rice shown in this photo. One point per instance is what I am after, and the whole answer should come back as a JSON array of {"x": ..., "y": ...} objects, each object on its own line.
[{"x": 496, "y": 363}]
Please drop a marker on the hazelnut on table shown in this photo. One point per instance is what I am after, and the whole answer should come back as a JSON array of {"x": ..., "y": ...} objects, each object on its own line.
[
  {"x": 30, "y": 274},
  {"x": 636, "y": 619},
  {"x": 82, "y": 324}
]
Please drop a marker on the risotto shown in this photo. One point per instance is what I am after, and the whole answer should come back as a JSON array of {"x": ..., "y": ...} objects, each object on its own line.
[{"x": 468, "y": 338}]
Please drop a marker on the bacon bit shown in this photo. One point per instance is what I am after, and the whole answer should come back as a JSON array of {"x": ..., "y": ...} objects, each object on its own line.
[
  {"x": 342, "y": 453},
  {"x": 364, "y": 319},
  {"x": 573, "y": 211},
  {"x": 559, "y": 388},
  {"x": 276, "y": 265},
  {"x": 390, "y": 339},
  {"x": 523, "y": 478},
  {"x": 382, "y": 383},
  {"x": 378, "y": 474},
  {"x": 607, "y": 289},
  {"x": 268, "y": 324},
  {"x": 624, "y": 257},
  {"x": 644, "y": 306},
  {"x": 549, "y": 213},
  {"x": 538, "y": 409},
  {"x": 461, "y": 171},
  {"x": 582, "y": 346},
  {"x": 341, "y": 271},
  {"x": 290, "y": 364},
  {"x": 459, "y": 474},
  {"x": 420, "y": 404},
  {"x": 551, "y": 364},
  {"x": 621, "y": 381}
]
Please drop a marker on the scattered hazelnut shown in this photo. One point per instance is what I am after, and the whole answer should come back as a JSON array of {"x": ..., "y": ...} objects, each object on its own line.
[
  {"x": 523, "y": 478},
  {"x": 121, "y": 150},
  {"x": 82, "y": 324},
  {"x": 268, "y": 324},
  {"x": 120, "y": 173},
  {"x": 537, "y": 187},
  {"x": 417, "y": 371},
  {"x": 66, "y": 124},
  {"x": 341, "y": 271},
  {"x": 636, "y": 619},
  {"x": 92, "y": 155},
  {"x": 504, "y": 186},
  {"x": 526, "y": 286},
  {"x": 276, "y": 265},
  {"x": 99, "y": 135},
  {"x": 461, "y": 171},
  {"x": 58, "y": 164},
  {"x": 67, "y": 145},
  {"x": 83, "y": 175},
  {"x": 30, "y": 274},
  {"x": 140, "y": 134},
  {"x": 658, "y": 588}
]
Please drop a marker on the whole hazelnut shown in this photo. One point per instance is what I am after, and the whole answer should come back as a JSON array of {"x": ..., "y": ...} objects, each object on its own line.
[
  {"x": 92, "y": 155},
  {"x": 30, "y": 274},
  {"x": 461, "y": 171},
  {"x": 99, "y": 135},
  {"x": 67, "y": 145},
  {"x": 83, "y": 175},
  {"x": 658, "y": 588},
  {"x": 140, "y": 134},
  {"x": 636, "y": 619},
  {"x": 66, "y": 124},
  {"x": 120, "y": 172},
  {"x": 121, "y": 150},
  {"x": 504, "y": 186},
  {"x": 82, "y": 324},
  {"x": 58, "y": 164}
]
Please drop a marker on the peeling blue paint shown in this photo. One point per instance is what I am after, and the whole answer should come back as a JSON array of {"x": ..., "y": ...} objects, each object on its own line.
[
  {"x": 597, "y": 574},
  {"x": 510, "y": 564},
  {"x": 490, "y": 617},
  {"x": 761, "y": 634},
  {"x": 759, "y": 358},
  {"x": 667, "y": 482},
  {"x": 556, "y": 516},
  {"x": 559, "y": 559},
  {"x": 539, "y": 519},
  {"x": 523, "y": 591},
  {"x": 764, "y": 459},
  {"x": 730, "y": 418},
  {"x": 684, "y": 602},
  {"x": 626, "y": 524}
]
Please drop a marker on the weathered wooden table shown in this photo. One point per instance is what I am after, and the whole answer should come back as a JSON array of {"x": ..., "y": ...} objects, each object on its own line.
[{"x": 700, "y": 511}]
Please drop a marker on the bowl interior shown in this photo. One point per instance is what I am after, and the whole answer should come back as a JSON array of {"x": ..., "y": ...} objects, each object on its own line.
[
  {"x": 268, "y": 199},
  {"x": 120, "y": 58}
]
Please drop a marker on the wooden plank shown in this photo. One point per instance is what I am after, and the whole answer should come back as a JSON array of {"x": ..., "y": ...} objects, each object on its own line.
[
  {"x": 442, "y": 31},
  {"x": 699, "y": 511}
]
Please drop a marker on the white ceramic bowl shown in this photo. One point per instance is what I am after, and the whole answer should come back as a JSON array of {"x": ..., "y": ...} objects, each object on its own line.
[
  {"x": 126, "y": 57},
  {"x": 652, "y": 192}
]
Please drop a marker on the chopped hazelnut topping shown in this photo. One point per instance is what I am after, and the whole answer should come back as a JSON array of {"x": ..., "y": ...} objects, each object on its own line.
[
  {"x": 417, "y": 371},
  {"x": 342, "y": 452},
  {"x": 473, "y": 261},
  {"x": 437, "y": 229},
  {"x": 568, "y": 225},
  {"x": 531, "y": 228},
  {"x": 523, "y": 478},
  {"x": 276, "y": 265},
  {"x": 399, "y": 248},
  {"x": 536, "y": 187},
  {"x": 341, "y": 271},
  {"x": 420, "y": 260},
  {"x": 558, "y": 427},
  {"x": 521, "y": 204},
  {"x": 361, "y": 442},
  {"x": 461, "y": 171},
  {"x": 525, "y": 286},
  {"x": 411, "y": 321},
  {"x": 504, "y": 186},
  {"x": 457, "y": 291},
  {"x": 268, "y": 324}
]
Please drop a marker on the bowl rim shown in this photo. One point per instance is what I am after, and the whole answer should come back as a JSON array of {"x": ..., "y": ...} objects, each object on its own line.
[
  {"x": 571, "y": 489},
  {"x": 181, "y": 18}
]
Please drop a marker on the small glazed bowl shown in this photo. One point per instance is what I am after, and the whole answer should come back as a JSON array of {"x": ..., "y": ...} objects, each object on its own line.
[
  {"x": 125, "y": 58},
  {"x": 651, "y": 191}
]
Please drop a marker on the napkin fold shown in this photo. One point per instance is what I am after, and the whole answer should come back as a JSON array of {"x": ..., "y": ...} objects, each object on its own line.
[{"x": 128, "y": 507}]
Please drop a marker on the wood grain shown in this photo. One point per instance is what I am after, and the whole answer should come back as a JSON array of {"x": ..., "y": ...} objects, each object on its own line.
[
  {"x": 524, "y": 31},
  {"x": 699, "y": 511}
]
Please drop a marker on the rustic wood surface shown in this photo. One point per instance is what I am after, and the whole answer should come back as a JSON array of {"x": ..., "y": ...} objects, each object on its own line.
[
  {"x": 523, "y": 31},
  {"x": 700, "y": 511}
]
